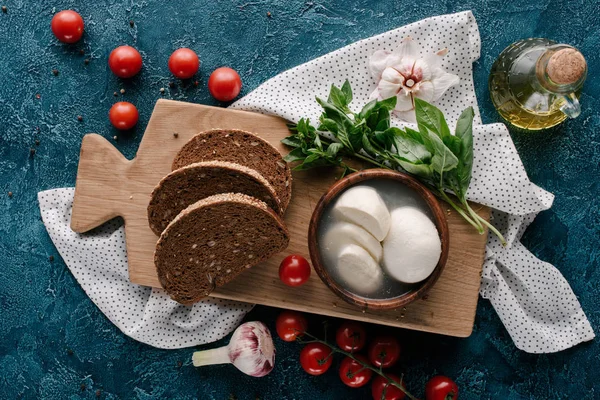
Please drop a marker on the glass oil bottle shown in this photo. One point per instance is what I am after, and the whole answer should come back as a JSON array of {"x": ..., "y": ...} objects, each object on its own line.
[{"x": 536, "y": 83}]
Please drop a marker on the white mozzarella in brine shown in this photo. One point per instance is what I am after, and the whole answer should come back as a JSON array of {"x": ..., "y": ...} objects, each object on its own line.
[
  {"x": 358, "y": 269},
  {"x": 412, "y": 247},
  {"x": 342, "y": 234},
  {"x": 363, "y": 206}
]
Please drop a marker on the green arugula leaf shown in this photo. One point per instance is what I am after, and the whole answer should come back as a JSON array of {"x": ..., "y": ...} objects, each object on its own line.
[
  {"x": 295, "y": 155},
  {"x": 431, "y": 117}
]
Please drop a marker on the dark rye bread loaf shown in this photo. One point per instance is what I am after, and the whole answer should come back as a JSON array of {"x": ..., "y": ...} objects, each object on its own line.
[
  {"x": 214, "y": 240},
  {"x": 242, "y": 148},
  {"x": 194, "y": 182}
]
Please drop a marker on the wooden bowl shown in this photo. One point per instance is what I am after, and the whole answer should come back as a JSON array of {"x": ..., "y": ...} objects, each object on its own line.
[{"x": 439, "y": 219}]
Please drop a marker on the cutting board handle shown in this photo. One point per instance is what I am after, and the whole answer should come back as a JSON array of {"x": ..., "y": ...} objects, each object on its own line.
[{"x": 97, "y": 195}]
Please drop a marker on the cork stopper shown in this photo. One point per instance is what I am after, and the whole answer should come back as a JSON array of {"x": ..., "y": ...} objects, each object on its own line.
[{"x": 566, "y": 66}]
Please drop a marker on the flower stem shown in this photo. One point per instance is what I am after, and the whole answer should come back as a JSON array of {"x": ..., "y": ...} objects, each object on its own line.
[{"x": 365, "y": 365}]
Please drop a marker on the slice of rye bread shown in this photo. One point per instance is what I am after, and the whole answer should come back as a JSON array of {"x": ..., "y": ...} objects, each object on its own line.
[
  {"x": 243, "y": 148},
  {"x": 194, "y": 182},
  {"x": 214, "y": 240}
]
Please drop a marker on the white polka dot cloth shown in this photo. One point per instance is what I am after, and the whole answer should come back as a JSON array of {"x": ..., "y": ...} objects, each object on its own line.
[
  {"x": 542, "y": 315},
  {"x": 534, "y": 301},
  {"x": 98, "y": 260}
]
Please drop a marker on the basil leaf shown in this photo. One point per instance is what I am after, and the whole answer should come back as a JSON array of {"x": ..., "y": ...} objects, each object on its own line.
[
  {"x": 366, "y": 143},
  {"x": 334, "y": 113},
  {"x": 295, "y": 155},
  {"x": 328, "y": 125},
  {"x": 408, "y": 148},
  {"x": 422, "y": 170},
  {"x": 385, "y": 139},
  {"x": 464, "y": 131},
  {"x": 443, "y": 159},
  {"x": 337, "y": 98},
  {"x": 387, "y": 104},
  {"x": 334, "y": 148},
  {"x": 431, "y": 117},
  {"x": 317, "y": 142},
  {"x": 292, "y": 141},
  {"x": 355, "y": 137},
  {"x": 453, "y": 143},
  {"x": 367, "y": 109},
  {"x": 347, "y": 90}
]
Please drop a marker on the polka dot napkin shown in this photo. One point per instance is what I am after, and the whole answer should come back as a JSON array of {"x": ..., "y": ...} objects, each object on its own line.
[
  {"x": 542, "y": 315},
  {"x": 534, "y": 301}
]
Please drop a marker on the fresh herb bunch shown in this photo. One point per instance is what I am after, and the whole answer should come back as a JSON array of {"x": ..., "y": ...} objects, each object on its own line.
[{"x": 439, "y": 159}]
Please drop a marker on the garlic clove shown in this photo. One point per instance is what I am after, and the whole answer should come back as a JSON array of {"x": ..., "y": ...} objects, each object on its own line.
[
  {"x": 408, "y": 48},
  {"x": 378, "y": 62},
  {"x": 441, "y": 83}
]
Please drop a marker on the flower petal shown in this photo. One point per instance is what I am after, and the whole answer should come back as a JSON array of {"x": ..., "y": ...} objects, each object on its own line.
[
  {"x": 442, "y": 82},
  {"x": 375, "y": 95},
  {"x": 378, "y": 62},
  {"x": 392, "y": 75},
  {"x": 404, "y": 101},
  {"x": 388, "y": 89},
  {"x": 421, "y": 70},
  {"x": 425, "y": 91},
  {"x": 408, "y": 49},
  {"x": 408, "y": 116}
]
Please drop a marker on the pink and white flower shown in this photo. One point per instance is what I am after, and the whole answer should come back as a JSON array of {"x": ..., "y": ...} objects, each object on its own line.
[{"x": 405, "y": 74}]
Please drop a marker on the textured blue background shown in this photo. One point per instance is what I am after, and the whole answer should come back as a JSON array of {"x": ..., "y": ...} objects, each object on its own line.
[{"x": 55, "y": 344}]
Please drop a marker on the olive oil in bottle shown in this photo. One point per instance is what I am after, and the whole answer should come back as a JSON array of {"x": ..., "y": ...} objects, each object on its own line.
[{"x": 536, "y": 83}]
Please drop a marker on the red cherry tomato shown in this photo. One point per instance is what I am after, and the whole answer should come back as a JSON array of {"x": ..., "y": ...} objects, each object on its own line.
[
  {"x": 125, "y": 61},
  {"x": 380, "y": 384},
  {"x": 290, "y": 325},
  {"x": 354, "y": 374},
  {"x": 315, "y": 358},
  {"x": 351, "y": 336},
  {"x": 123, "y": 115},
  {"x": 184, "y": 63},
  {"x": 294, "y": 270},
  {"x": 441, "y": 388},
  {"x": 224, "y": 84},
  {"x": 67, "y": 26},
  {"x": 384, "y": 351}
]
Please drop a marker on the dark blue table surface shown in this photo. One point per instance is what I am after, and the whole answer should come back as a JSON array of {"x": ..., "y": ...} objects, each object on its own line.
[{"x": 55, "y": 344}]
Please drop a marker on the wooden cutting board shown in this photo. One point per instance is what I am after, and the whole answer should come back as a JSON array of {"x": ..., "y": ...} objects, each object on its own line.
[{"x": 109, "y": 185}]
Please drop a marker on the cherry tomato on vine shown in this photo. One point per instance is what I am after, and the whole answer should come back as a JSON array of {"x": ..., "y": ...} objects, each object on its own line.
[
  {"x": 354, "y": 374},
  {"x": 123, "y": 115},
  {"x": 316, "y": 358},
  {"x": 380, "y": 384},
  {"x": 125, "y": 61},
  {"x": 294, "y": 270},
  {"x": 290, "y": 325},
  {"x": 351, "y": 336},
  {"x": 384, "y": 351},
  {"x": 224, "y": 84},
  {"x": 184, "y": 63},
  {"x": 441, "y": 388},
  {"x": 67, "y": 26}
]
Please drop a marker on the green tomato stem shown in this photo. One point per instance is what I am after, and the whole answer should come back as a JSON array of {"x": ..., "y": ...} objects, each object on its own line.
[{"x": 365, "y": 365}]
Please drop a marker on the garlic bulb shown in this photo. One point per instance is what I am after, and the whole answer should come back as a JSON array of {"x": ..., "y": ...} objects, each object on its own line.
[
  {"x": 405, "y": 74},
  {"x": 250, "y": 350}
]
